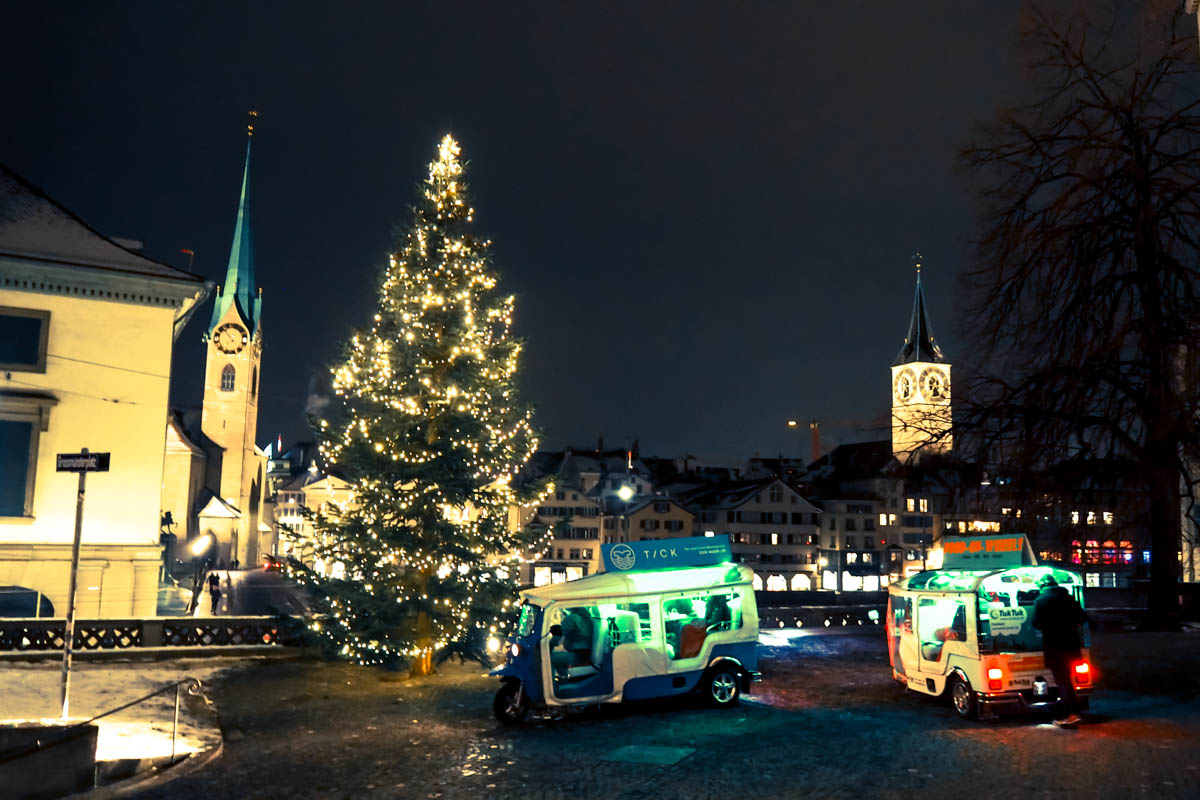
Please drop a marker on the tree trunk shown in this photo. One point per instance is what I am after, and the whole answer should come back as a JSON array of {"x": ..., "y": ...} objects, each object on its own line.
[
  {"x": 423, "y": 663},
  {"x": 1162, "y": 602}
]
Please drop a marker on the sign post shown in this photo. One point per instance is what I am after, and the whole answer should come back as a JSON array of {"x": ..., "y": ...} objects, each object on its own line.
[{"x": 82, "y": 462}]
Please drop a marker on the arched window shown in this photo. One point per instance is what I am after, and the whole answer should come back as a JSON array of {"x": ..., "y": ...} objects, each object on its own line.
[
  {"x": 227, "y": 376},
  {"x": 758, "y": 584},
  {"x": 254, "y": 382},
  {"x": 776, "y": 583},
  {"x": 801, "y": 582}
]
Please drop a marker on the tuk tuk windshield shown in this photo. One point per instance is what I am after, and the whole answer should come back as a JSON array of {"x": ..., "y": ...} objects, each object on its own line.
[
  {"x": 527, "y": 622},
  {"x": 1006, "y": 601}
]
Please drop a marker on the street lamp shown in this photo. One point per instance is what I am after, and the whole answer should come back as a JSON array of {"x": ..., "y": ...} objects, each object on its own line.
[
  {"x": 625, "y": 493},
  {"x": 200, "y": 546}
]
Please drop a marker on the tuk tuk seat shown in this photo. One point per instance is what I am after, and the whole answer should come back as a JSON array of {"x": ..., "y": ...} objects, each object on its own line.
[{"x": 600, "y": 647}]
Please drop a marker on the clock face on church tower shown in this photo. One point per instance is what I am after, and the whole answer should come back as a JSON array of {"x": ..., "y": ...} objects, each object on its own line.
[
  {"x": 935, "y": 383},
  {"x": 230, "y": 338},
  {"x": 905, "y": 386}
]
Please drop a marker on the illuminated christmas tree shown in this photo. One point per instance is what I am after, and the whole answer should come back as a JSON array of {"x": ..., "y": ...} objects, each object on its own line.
[{"x": 426, "y": 424}]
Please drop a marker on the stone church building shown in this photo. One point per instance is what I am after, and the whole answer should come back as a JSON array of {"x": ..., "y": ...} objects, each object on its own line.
[{"x": 214, "y": 476}]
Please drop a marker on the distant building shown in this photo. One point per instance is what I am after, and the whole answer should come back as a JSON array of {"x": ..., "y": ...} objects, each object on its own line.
[
  {"x": 86, "y": 331},
  {"x": 771, "y": 528}
]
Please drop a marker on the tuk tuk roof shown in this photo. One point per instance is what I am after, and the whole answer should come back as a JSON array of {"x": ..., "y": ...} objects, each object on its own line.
[
  {"x": 969, "y": 580},
  {"x": 618, "y": 584}
]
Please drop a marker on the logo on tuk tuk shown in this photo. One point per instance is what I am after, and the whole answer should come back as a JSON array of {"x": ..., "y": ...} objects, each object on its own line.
[
  {"x": 623, "y": 556},
  {"x": 1006, "y": 621}
]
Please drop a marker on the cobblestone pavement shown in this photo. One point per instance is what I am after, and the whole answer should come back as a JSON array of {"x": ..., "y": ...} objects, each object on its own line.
[{"x": 826, "y": 722}]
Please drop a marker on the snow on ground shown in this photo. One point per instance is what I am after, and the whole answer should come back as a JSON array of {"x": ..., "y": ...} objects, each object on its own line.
[{"x": 31, "y": 692}]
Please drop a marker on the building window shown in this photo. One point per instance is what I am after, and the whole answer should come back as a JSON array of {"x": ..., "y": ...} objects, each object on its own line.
[
  {"x": 22, "y": 419},
  {"x": 227, "y": 377},
  {"x": 850, "y": 524},
  {"x": 776, "y": 494},
  {"x": 849, "y": 542},
  {"x": 833, "y": 523},
  {"x": 924, "y": 505},
  {"x": 662, "y": 508},
  {"x": 574, "y": 553},
  {"x": 587, "y": 552},
  {"x": 910, "y": 504},
  {"x": 869, "y": 542},
  {"x": 23, "y": 333},
  {"x": 774, "y": 538},
  {"x": 868, "y": 523}
]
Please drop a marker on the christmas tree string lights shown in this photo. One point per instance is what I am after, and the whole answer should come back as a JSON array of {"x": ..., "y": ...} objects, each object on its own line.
[{"x": 427, "y": 427}]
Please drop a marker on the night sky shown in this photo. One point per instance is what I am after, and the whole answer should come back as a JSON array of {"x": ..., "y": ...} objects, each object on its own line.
[{"x": 707, "y": 210}]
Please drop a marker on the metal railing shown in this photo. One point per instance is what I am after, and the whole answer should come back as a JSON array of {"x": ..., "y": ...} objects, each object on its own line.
[
  {"x": 191, "y": 685},
  {"x": 43, "y": 634}
]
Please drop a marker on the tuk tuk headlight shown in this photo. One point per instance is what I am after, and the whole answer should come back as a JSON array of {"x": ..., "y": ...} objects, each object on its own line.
[{"x": 515, "y": 650}]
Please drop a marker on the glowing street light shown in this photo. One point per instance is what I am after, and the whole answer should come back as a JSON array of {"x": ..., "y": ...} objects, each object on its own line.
[
  {"x": 201, "y": 545},
  {"x": 625, "y": 493}
]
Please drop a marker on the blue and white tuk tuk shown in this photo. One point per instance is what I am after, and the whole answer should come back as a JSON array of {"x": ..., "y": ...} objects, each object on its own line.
[{"x": 666, "y": 618}]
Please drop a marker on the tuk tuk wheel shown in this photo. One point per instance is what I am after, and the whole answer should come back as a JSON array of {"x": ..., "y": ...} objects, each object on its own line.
[
  {"x": 962, "y": 697},
  {"x": 724, "y": 688},
  {"x": 511, "y": 703}
]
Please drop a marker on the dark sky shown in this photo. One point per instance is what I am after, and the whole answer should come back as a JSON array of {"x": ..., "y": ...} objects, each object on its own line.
[{"x": 707, "y": 210}]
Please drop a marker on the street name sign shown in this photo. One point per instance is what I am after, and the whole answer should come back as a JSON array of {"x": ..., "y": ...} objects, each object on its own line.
[{"x": 83, "y": 462}]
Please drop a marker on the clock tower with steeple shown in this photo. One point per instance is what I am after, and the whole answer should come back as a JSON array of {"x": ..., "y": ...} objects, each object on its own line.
[
  {"x": 229, "y": 418},
  {"x": 921, "y": 416}
]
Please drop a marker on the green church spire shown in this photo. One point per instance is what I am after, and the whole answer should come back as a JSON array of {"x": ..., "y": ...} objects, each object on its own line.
[{"x": 239, "y": 289}]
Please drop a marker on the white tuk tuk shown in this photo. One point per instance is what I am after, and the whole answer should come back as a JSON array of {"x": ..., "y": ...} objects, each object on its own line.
[
  {"x": 635, "y": 634},
  {"x": 966, "y": 629}
]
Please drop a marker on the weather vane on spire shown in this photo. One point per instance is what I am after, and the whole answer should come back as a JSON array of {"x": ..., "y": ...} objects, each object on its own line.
[
  {"x": 253, "y": 117},
  {"x": 917, "y": 261}
]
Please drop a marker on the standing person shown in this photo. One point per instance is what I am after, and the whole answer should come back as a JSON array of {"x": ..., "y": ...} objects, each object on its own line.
[
  {"x": 214, "y": 592},
  {"x": 234, "y": 563},
  {"x": 1059, "y": 616}
]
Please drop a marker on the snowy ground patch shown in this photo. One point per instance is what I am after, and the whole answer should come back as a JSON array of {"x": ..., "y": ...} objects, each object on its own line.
[{"x": 30, "y": 692}]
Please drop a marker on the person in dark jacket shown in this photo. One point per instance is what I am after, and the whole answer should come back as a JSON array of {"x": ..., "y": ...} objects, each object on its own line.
[{"x": 1059, "y": 616}]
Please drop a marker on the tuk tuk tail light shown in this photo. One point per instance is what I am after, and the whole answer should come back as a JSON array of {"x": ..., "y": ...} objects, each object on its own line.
[
  {"x": 1083, "y": 673},
  {"x": 995, "y": 679},
  {"x": 515, "y": 650}
]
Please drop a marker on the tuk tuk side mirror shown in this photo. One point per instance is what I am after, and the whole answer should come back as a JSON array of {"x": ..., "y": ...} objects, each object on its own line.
[{"x": 556, "y": 630}]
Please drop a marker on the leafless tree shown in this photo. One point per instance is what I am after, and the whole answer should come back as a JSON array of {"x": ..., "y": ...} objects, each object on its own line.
[{"x": 1084, "y": 297}]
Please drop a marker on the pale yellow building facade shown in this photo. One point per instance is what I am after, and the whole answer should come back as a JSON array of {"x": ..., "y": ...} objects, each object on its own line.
[{"x": 85, "y": 362}]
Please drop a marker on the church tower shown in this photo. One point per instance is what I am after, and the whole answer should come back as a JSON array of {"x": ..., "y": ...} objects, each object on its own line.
[
  {"x": 229, "y": 418},
  {"x": 921, "y": 415}
]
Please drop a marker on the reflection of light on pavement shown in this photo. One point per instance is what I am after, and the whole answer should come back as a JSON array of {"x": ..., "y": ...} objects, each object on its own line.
[
  {"x": 782, "y": 637},
  {"x": 139, "y": 739},
  {"x": 132, "y": 738}
]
